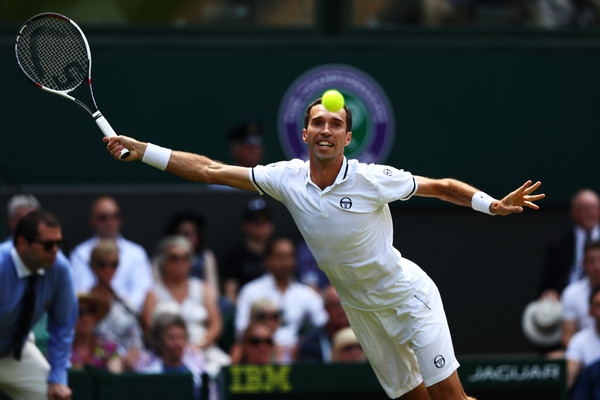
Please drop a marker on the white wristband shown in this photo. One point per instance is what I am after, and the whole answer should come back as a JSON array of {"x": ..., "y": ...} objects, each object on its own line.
[
  {"x": 157, "y": 156},
  {"x": 481, "y": 202}
]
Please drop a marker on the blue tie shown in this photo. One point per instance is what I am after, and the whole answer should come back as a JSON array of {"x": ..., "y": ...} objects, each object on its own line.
[{"x": 24, "y": 325}]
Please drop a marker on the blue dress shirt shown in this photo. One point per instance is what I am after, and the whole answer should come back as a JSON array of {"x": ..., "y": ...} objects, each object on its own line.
[{"x": 54, "y": 294}]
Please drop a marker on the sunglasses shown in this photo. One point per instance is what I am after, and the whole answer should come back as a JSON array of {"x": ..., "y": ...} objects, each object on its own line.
[
  {"x": 177, "y": 257},
  {"x": 48, "y": 245},
  {"x": 267, "y": 315},
  {"x": 106, "y": 216},
  {"x": 86, "y": 311},
  {"x": 106, "y": 264},
  {"x": 255, "y": 341}
]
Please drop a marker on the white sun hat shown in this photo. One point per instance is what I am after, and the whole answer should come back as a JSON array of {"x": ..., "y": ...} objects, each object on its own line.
[{"x": 542, "y": 322}]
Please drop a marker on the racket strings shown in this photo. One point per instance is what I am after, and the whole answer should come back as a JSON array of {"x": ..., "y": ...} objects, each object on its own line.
[{"x": 53, "y": 53}]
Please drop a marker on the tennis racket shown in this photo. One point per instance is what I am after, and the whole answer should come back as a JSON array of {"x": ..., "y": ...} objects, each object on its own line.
[{"x": 54, "y": 54}]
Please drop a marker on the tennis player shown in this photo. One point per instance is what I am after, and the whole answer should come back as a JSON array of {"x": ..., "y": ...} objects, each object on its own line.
[{"x": 341, "y": 209}]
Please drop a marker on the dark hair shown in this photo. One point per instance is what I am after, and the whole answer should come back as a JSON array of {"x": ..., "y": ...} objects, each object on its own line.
[
  {"x": 594, "y": 292},
  {"x": 28, "y": 225},
  {"x": 270, "y": 247},
  {"x": 592, "y": 244},
  {"x": 161, "y": 323},
  {"x": 186, "y": 216},
  {"x": 318, "y": 101}
]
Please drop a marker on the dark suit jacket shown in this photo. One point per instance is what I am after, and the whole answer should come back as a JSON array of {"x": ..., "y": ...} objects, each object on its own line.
[{"x": 557, "y": 263}]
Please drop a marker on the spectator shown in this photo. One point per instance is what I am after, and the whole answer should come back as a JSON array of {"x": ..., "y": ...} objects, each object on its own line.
[
  {"x": 178, "y": 292},
  {"x": 346, "y": 347},
  {"x": 265, "y": 312},
  {"x": 256, "y": 345},
  {"x": 171, "y": 352},
  {"x": 564, "y": 256},
  {"x": 246, "y": 144},
  {"x": 204, "y": 264},
  {"x": 122, "y": 325},
  {"x": 18, "y": 206},
  {"x": 317, "y": 344},
  {"x": 298, "y": 303},
  {"x": 133, "y": 278},
  {"x": 584, "y": 347},
  {"x": 35, "y": 278},
  {"x": 575, "y": 298},
  {"x": 245, "y": 262},
  {"x": 309, "y": 272},
  {"x": 587, "y": 386},
  {"x": 88, "y": 348}
]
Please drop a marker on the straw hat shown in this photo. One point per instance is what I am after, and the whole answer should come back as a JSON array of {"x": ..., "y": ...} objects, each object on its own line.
[
  {"x": 542, "y": 322},
  {"x": 101, "y": 305}
]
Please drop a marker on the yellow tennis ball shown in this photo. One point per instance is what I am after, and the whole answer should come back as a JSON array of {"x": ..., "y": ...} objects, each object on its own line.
[{"x": 332, "y": 100}]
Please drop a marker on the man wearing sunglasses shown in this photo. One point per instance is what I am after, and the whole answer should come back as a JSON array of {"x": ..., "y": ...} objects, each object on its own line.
[
  {"x": 133, "y": 277},
  {"x": 34, "y": 278}
]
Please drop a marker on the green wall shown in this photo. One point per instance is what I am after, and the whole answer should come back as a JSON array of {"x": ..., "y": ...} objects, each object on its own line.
[{"x": 492, "y": 109}]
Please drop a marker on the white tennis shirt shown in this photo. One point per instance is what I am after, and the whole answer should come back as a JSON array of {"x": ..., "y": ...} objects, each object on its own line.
[{"x": 348, "y": 227}]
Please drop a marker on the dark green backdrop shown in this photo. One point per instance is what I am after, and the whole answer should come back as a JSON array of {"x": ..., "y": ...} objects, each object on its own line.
[{"x": 493, "y": 110}]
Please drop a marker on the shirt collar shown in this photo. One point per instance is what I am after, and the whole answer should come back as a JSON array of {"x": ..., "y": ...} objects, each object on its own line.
[
  {"x": 22, "y": 270},
  {"x": 342, "y": 174}
]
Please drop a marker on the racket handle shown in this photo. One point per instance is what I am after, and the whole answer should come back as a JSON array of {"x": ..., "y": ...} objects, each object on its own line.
[{"x": 108, "y": 131}]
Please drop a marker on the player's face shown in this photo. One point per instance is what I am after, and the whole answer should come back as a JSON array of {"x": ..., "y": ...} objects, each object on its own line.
[{"x": 326, "y": 134}]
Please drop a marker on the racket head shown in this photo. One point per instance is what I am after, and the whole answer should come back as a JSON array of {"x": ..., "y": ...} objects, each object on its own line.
[{"x": 53, "y": 53}]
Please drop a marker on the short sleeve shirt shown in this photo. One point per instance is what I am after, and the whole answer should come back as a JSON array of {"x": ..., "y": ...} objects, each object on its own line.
[{"x": 348, "y": 227}]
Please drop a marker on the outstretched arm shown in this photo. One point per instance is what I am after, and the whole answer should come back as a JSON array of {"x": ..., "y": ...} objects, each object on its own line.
[
  {"x": 189, "y": 166},
  {"x": 461, "y": 193}
]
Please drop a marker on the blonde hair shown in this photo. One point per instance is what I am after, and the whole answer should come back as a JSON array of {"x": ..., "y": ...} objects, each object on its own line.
[{"x": 103, "y": 248}]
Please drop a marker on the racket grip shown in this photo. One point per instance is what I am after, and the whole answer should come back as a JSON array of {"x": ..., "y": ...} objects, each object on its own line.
[{"x": 108, "y": 131}]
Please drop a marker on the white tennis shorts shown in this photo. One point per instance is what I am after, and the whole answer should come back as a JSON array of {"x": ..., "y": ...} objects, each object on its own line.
[{"x": 407, "y": 344}]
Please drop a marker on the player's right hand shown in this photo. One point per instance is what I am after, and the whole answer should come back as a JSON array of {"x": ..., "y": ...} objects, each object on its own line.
[{"x": 116, "y": 144}]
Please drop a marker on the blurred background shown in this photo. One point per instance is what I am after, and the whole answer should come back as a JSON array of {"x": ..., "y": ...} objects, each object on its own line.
[{"x": 493, "y": 92}]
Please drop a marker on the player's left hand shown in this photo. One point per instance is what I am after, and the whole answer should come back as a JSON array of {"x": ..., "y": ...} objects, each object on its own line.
[{"x": 515, "y": 201}]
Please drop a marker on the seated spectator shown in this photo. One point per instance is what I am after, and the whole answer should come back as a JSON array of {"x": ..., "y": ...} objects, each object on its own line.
[
  {"x": 299, "y": 305},
  {"x": 262, "y": 311},
  {"x": 587, "y": 386},
  {"x": 18, "y": 206},
  {"x": 245, "y": 261},
  {"x": 316, "y": 344},
  {"x": 178, "y": 292},
  {"x": 204, "y": 265},
  {"x": 345, "y": 347},
  {"x": 170, "y": 350},
  {"x": 122, "y": 324},
  {"x": 133, "y": 279},
  {"x": 308, "y": 271},
  {"x": 256, "y": 345},
  {"x": 584, "y": 347},
  {"x": 575, "y": 298},
  {"x": 89, "y": 349}
]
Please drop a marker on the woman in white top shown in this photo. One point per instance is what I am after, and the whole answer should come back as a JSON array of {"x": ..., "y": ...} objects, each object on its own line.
[{"x": 178, "y": 292}]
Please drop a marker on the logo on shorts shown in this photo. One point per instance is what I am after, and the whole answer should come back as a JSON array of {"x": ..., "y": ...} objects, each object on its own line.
[
  {"x": 346, "y": 203},
  {"x": 439, "y": 361},
  {"x": 387, "y": 172},
  {"x": 372, "y": 116}
]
